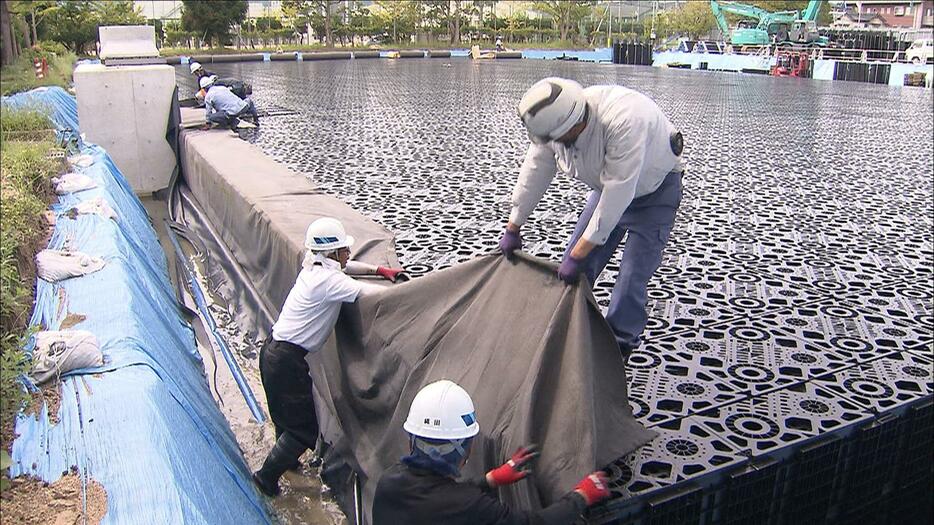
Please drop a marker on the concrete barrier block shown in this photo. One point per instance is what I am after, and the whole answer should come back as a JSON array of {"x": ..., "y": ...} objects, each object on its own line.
[{"x": 125, "y": 109}]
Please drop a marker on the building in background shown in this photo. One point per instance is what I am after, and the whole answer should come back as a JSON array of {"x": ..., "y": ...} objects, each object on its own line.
[{"x": 894, "y": 14}]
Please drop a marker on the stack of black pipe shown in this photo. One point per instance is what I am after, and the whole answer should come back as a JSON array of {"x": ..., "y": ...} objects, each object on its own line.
[
  {"x": 632, "y": 53},
  {"x": 862, "y": 72}
]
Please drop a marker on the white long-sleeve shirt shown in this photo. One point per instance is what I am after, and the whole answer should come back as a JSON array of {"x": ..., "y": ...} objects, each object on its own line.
[
  {"x": 220, "y": 98},
  {"x": 623, "y": 153},
  {"x": 314, "y": 302}
]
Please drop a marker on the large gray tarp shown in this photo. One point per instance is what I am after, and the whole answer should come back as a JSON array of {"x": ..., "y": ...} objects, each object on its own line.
[{"x": 535, "y": 354}]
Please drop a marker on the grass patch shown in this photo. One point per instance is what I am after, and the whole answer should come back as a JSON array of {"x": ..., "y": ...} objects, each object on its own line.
[
  {"x": 25, "y": 191},
  {"x": 21, "y": 76},
  {"x": 26, "y": 124}
]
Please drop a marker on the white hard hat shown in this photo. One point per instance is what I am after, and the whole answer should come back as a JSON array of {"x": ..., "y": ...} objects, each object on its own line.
[
  {"x": 207, "y": 81},
  {"x": 327, "y": 234},
  {"x": 551, "y": 107},
  {"x": 442, "y": 410},
  {"x": 194, "y": 66}
]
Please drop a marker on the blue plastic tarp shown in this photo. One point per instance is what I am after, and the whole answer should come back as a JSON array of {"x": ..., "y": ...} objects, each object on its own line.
[{"x": 144, "y": 425}]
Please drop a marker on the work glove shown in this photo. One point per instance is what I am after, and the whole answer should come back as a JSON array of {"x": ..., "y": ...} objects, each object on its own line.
[
  {"x": 510, "y": 242},
  {"x": 593, "y": 488},
  {"x": 390, "y": 274},
  {"x": 513, "y": 470},
  {"x": 570, "y": 269}
]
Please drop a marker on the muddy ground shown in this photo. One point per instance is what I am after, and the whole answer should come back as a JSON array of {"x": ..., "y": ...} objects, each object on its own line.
[{"x": 31, "y": 501}]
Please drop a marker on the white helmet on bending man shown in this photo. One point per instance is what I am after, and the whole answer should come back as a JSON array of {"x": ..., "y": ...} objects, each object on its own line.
[
  {"x": 551, "y": 107},
  {"x": 327, "y": 234}
]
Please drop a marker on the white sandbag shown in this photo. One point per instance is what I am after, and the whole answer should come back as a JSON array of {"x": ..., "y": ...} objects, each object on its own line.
[
  {"x": 72, "y": 182},
  {"x": 56, "y": 265},
  {"x": 60, "y": 351},
  {"x": 96, "y": 206},
  {"x": 81, "y": 161}
]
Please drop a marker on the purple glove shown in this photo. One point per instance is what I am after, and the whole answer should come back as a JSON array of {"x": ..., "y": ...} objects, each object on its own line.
[
  {"x": 510, "y": 242},
  {"x": 570, "y": 269}
]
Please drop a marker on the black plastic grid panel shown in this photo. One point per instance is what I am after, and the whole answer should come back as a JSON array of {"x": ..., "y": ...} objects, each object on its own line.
[
  {"x": 769, "y": 421},
  {"x": 884, "y": 383},
  {"x": 787, "y": 228}
]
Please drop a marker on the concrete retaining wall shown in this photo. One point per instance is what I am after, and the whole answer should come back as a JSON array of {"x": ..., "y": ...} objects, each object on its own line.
[{"x": 261, "y": 209}]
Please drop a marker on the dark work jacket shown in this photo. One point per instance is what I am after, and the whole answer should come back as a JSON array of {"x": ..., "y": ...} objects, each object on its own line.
[{"x": 410, "y": 496}]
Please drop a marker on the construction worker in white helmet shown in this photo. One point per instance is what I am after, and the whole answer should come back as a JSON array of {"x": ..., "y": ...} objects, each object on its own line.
[
  {"x": 305, "y": 322},
  {"x": 619, "y": 143},
  {"x": 423, "y": 489}
]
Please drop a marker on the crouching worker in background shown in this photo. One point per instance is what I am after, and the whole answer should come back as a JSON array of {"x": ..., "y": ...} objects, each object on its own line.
[
  {"x": 223, "y": 108},
  {"x": 307, "y": 319},
  {"x": 422, "y": 488}
]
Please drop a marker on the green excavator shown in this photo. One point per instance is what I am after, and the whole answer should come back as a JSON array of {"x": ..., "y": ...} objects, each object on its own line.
[{"x": 759, "y": 27}]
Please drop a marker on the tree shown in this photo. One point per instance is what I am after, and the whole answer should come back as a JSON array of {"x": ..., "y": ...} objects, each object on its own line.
[
  {"x": 213, "y": 20},
  {"x": 823, "y": 17},
  {"x": 694, "y": 19},
  {"x": 74, "y": 23},
  {"x": 565, "y": 14},
  {"x": 398, "y": 17},
  {"x": 6, "y": 35}
]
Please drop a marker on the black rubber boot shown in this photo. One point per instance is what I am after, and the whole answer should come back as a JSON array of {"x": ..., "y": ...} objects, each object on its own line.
[{"x": 283, "y": 455}]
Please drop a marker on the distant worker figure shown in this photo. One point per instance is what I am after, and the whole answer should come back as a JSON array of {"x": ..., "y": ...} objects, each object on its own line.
[
  {"x": 499, "y": 44},
  {"x": 223, "y": 108},
  {"x": 422, "y": 488},
  {"x": 198, "y": 70},
  {"x": 237, "y": 87},
  {"x": 619, "y": 143},
  {"x": 307, "y": 319}
]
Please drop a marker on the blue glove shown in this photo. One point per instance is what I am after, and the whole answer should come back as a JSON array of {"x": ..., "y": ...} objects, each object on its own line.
[
  {"x": 510, "y": 242},
  {"x": 570, "y": 269}
]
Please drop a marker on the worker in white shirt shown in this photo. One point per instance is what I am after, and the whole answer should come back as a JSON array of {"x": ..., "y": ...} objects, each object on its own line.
[
  {"x": 307, "y": 319},
  {"x": 222, "y": 107},
  {"x": 619, "y": 143}
]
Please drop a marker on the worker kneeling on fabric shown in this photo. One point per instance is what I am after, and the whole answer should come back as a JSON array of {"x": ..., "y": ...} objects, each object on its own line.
[
  {"x": 422, "y": 488},
  {"x": 619, "y": 143},
  {"x": 237, "y": 87},
  {"x": 307, "y": 319},
  {"x": 223, "y": 108}
]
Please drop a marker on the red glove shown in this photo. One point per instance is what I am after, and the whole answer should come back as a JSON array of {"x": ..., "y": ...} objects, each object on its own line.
[
  {"x": 389, "y": 274},
  {"x": 593, "y": 488},
  {"x": 514, "y": 469}
]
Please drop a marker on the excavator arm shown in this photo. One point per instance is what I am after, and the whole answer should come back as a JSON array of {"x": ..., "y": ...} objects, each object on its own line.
[
  {"x": 718, "y": 15},
  {"x": 812, "y": 10}
]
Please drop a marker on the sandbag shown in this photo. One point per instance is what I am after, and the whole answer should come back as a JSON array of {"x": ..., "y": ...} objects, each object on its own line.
[
  {"x": 58, "y": 265},
  {"x": 72, "y": 183},
  {"x": 58, "y": 352},
  {"x": 80, "y": 161},
  {"x": 95, "y": 206}
]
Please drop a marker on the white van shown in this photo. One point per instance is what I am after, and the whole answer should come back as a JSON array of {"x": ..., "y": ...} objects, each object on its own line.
[{"x": 920, "y": 51}]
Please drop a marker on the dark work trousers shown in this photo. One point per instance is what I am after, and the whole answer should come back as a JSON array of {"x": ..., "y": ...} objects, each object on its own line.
[
  {"x": 648, "y": 220},
  {"x": 288, "y": 388}
]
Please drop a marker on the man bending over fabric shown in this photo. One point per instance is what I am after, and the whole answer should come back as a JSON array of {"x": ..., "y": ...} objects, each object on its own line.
[{"x": 619, "y": 143}]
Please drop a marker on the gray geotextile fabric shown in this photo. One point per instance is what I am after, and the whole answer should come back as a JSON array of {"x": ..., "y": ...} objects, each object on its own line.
[
  {"x": 261, "y": 210},
  {"x": 536, "y": 355}
]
